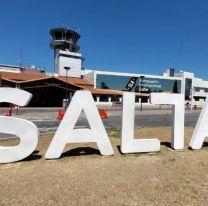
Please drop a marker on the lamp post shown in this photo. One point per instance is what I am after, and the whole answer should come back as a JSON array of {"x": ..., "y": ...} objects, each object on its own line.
[
  {"x": 192, "y": 98},
  {"x": 66, "y": 93},
  {"x": 141, "y": 82}
]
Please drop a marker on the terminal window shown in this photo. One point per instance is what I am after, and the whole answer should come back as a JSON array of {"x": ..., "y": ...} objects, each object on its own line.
[{"x": 144, "y": 84}]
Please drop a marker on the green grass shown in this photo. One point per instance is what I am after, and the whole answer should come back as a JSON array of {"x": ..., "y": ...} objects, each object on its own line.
[{"x": 114, "y": 132}]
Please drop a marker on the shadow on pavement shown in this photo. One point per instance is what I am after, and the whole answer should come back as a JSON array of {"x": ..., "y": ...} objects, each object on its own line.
[
  {"x": 33, "y": 156},
  {"x": 80, "y": 151},
  {"x": 166, "y": 144}
]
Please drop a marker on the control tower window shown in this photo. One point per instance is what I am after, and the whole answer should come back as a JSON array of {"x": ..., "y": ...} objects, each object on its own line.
[{"x": 58, "y": 36}]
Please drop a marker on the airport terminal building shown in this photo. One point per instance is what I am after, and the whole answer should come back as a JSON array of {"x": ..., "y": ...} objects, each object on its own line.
[
  {"x": 106, "y": 87},
  {"x": 138, "y": 83},
  {"x": 50, "y": 89},
  {"x": 194, "y": 89}
]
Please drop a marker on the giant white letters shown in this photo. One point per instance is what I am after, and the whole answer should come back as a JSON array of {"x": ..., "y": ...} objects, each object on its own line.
[
  {"x": 25, "y": 130},
  {"x": 201, "y": 129},
  {"x": 128, "y": 143},
  {"x": 82, "y": 100},
  {"x": 177, "y": 100}
]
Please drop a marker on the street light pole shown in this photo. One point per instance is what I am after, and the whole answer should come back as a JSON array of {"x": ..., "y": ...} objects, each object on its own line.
[
  {"x": 141, "y": 82},
  {"x": 66, "y": 93},
  {"x": 192, "y": 98}
]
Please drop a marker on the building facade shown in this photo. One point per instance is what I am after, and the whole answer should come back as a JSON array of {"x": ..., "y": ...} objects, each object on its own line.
[
  {"x": 194, "y": 89},
  {"x": 106, "y": 87}
]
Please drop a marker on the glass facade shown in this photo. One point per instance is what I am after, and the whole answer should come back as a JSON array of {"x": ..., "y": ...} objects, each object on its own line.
[
  {"x": 188, "y": 87},
  {"x": 198, "y": 89},
  {"x": 137, "y": 84}
]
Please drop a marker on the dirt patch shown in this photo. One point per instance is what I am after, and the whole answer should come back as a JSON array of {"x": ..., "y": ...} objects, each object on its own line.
[{"x": 83, "y": 177}]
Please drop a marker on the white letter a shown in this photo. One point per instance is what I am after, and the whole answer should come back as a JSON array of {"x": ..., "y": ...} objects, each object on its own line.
[
  {"x": 201, "y": 129},
  {"x": 82, "y": 100}
]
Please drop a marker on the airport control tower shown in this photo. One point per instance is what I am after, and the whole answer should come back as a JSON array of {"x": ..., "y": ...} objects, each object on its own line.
[{"x": 67, "y": 59}]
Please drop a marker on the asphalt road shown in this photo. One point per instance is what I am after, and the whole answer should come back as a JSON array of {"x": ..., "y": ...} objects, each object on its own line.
[
  {"x": 144, "y": 119},
  {"x": 141, "y": 120}
]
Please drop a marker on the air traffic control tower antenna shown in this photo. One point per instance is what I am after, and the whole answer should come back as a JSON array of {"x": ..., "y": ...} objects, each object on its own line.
[{"x": 66, "y": 52}]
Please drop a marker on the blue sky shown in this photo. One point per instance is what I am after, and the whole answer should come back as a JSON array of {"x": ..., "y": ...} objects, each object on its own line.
[{"x": 137, "y": 36}]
